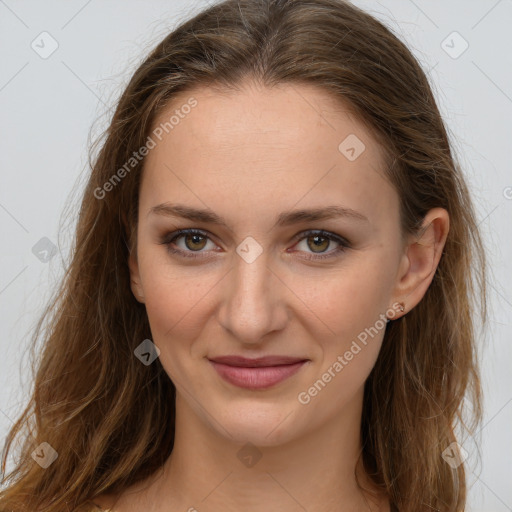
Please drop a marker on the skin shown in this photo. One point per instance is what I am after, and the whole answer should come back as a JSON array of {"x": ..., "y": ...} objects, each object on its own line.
[{"x": 249, "y": 156}]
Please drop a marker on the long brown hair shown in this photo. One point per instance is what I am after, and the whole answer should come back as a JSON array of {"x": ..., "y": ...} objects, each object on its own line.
[{"x": 111, "y": 418}]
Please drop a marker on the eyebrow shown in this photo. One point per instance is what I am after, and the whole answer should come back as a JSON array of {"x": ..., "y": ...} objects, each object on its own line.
[{"x": 284, "y": 219}]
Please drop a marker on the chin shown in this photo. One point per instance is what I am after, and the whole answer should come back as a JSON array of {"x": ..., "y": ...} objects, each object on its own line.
[{"x": 261, "y": 424}]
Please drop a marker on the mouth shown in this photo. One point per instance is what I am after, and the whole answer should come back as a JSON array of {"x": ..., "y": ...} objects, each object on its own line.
[{"x": 260, "y": 373}]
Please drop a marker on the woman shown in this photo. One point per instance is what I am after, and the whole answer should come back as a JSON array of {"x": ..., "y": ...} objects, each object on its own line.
[{"x": 270, "y": 303}]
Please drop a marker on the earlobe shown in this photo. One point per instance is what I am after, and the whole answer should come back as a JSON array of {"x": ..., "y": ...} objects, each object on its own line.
[{"x": 421, "y": 258}]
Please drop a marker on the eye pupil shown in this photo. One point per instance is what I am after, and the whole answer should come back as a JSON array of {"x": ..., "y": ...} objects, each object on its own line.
[{"x": 318, "y": 244}]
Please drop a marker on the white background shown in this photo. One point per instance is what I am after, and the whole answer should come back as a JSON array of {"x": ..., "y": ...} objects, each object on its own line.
[{"x": 49, "y": 108}]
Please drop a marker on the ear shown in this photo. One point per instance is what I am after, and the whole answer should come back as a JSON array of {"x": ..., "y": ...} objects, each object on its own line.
[
  {"x": 421, "y": 258},
  {"x": 135, "y": 281},
  {"x": 133, "y": 265}
]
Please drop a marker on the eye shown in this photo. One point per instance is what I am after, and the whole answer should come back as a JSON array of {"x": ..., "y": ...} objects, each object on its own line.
[
  {"x": 195, "y": 240},
  {"x": 318, "y": 241}
]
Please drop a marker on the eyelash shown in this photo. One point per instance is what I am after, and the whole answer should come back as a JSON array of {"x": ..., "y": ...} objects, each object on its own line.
[{"x": 344, "y": 244}]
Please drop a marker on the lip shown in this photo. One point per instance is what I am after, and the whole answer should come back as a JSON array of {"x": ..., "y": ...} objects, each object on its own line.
[{"x": 259, "y": 373}]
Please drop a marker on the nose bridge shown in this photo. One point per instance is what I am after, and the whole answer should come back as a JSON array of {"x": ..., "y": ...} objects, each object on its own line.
[{"x": 253, "y": 301}]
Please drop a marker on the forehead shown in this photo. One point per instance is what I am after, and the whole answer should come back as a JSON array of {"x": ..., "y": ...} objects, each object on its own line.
[
  {"x": 285, "y": 116},
  {"x": 257, "y": 145}
]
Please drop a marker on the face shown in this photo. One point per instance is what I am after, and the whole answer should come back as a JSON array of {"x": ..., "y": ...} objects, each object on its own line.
[{"x": 290, "y": 247}]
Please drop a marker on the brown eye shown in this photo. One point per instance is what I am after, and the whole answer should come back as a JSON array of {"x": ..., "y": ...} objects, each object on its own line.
[
  {"x": 194, "y": 241},
  {"x": 319, "y": 243},
  {"x": 188, "y": 243},
  {"x": 315, "y": 245}
]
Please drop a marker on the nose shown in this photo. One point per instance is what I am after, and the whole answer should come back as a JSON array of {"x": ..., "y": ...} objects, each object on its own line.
[{"x": 254, "y": 301}]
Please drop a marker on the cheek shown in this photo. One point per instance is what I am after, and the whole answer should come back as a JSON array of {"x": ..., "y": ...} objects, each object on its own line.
[
  {"x": 170, "y": 292},
  {"x": 348, "y": 298},
  {"x": 349, "y": 337},
  {"x": 174, "y": 302},
  {"x": 349, "y": 307},
  {"x": 177, "y": 307}
]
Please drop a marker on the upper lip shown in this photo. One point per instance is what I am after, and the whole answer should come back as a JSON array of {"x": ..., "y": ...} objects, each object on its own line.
[{"x": 256, "y": 362}]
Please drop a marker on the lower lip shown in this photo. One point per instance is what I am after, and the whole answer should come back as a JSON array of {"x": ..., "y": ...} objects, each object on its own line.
[{"x": 256, "y": 378}]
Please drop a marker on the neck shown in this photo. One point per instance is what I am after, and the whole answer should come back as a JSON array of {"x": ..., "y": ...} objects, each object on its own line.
[{"x": 315, "y": 472}]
